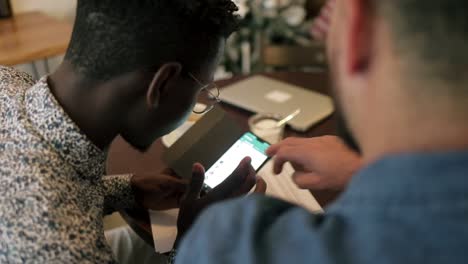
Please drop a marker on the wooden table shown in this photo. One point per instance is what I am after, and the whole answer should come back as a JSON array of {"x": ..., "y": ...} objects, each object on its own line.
[
  {"x": 124, "y": 159},
  {"x": 28, "y": 37}
]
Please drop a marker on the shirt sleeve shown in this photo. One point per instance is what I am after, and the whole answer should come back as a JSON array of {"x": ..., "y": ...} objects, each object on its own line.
[
  {"x": 259, "y": 230},
  {"x": 118, "y": 193}
]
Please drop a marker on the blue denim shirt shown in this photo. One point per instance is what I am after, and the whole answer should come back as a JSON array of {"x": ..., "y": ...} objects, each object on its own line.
[{"x": 402, "y": 209}]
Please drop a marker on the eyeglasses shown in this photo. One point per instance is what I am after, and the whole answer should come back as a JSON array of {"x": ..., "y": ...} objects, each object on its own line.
[{"x": 208, "y": 95}]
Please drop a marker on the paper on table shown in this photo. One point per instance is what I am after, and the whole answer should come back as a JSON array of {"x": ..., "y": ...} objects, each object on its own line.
[
  {"x": 281, "y": 186},
  {"x": 164, "y": 229}
]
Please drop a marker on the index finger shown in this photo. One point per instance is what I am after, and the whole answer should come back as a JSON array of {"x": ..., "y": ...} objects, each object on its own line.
[
  {"x": 273, "y": 150},
  {"x": 261, "y": 186},
  {"x": 295, "y": 155},
  {"x": 248, "y": 184}
]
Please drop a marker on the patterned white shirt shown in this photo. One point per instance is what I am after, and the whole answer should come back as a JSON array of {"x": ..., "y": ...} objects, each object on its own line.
[{"x": 53, "y": 194}]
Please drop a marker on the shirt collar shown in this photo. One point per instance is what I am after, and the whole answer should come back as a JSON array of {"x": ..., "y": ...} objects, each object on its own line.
[
  {"x": 57, "y": 129},
  {"x": 411, "y": 177}
]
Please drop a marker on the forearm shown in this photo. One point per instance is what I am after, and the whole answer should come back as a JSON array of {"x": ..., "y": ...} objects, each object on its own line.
[{"x": 118, "y": 193}]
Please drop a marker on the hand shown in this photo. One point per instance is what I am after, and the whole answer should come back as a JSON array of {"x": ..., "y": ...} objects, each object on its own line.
[
  {"x": 158, "y": 192},
  {"x": 320, "y": 163},
  {"x": 239, "y": 183}
]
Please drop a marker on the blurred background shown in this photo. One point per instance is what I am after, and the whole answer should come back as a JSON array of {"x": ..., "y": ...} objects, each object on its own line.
[
  {"x": 63, "y": 10},
  {"x": 274, "y": 35}
]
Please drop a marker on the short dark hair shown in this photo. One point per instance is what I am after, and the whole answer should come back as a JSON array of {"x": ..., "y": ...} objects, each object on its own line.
[
  {"x": 434, "y": 32},
  {"x": 111, "y": 37}
]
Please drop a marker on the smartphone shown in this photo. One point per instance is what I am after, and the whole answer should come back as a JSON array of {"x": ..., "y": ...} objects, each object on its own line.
[{"x": 249, "y": 145}]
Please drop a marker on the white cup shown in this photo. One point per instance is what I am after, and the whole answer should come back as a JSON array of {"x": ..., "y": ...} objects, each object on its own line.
[{"x": 265, "y": 126}]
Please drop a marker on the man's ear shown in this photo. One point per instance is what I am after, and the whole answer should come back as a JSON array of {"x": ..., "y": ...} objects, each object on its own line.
[
  {"x": 360, "y": 35},
  {"x": 167, "y": 73}
]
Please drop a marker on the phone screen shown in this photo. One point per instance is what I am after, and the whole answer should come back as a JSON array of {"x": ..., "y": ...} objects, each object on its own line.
[{"x": 248, "y": 145}]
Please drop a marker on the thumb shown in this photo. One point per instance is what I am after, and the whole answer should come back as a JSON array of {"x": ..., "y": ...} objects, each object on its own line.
[{"x": 196, "y": 183}]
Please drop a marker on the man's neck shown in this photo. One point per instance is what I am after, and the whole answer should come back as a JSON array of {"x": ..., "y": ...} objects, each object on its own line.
[
  {"x": 92, "y": 106},
  {"x": 426, "y": 133}
]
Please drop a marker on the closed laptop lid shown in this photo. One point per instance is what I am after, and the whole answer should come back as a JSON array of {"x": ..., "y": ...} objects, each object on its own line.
[{"x": 261, "y": 94}]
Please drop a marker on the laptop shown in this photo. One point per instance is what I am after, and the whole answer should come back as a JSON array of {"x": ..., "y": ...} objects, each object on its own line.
[{"x": 260, "y": 94}]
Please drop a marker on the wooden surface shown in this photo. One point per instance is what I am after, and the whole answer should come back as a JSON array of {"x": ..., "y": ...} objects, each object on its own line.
[
  {"x": 32, "y": 36},
  {"x": 123, "y": 159}
]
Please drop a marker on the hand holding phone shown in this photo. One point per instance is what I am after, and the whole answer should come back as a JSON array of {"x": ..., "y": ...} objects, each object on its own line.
[
  {"x": 248, "y": 145},
  {"x": 240, "y": 182}
]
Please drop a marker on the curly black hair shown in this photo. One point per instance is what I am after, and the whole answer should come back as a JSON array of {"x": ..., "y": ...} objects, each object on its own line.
[{"x": 111, "y": 37}]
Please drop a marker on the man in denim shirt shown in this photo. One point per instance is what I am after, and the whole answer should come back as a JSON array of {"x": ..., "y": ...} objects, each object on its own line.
[{"x": 399, "y": 69}]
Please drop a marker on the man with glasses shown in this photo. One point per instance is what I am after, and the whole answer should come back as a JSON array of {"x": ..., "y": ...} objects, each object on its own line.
[
  {"x": 134, "y": 69},
  {"x": 209, "y": 95}
]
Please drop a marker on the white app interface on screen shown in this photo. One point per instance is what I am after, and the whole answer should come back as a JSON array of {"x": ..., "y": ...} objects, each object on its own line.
[{"x": 247, "y": 146}]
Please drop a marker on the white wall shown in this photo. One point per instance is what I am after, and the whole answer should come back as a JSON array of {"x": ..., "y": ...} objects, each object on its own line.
[{"x": 60, "y": 9}]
